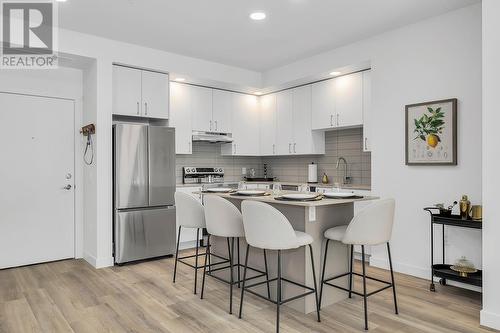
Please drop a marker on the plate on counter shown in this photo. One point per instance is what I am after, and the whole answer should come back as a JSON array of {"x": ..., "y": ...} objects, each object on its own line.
[
  {"x": 300, "y": 196},
  {"x": 251, "y": 192},
  {"x": 342, "y": 195},
  {"x": 219, "y": 190}
]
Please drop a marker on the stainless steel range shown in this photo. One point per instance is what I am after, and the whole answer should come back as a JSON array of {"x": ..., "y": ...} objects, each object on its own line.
[{"x": 193, "y": 175}]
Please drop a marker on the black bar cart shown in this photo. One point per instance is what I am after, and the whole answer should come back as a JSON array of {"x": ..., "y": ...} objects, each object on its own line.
[{"x": 443, "y": 270}]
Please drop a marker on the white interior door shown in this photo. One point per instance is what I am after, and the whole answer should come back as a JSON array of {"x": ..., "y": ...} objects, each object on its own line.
[{"x": 37, "y": 222}]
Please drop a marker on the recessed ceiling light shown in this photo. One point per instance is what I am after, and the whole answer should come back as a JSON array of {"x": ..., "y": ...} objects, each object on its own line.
[
  {"x": 258, "y": 93},
  {"x": 258, "y": 16},
  {"x": 335, "y": 73},
  {"x": 180, "y": 79},
  {"x": 61, "y": 0}
]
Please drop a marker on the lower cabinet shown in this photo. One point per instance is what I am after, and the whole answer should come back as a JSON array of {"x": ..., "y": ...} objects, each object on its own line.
[{"x": 188, "y": 235}]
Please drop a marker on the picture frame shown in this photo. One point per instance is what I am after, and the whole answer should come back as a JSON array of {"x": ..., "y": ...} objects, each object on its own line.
[{"x": 431, "y": 133}]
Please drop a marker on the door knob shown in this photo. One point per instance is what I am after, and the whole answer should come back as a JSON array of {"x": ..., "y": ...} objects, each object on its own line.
[{"x": 67, "y": 187}]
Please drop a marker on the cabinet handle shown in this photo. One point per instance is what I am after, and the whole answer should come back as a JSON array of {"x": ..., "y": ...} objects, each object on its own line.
[
  {"x": 146, "y": 108},
  {"x": 294, "y": 145},
  {"x": 210, "y": 125},
  {"x": 331, "y": 120},
  {"x": 234, "y": 148},
  {"x": 289, "y": 148},
  {"x": 138, "y": 112},
  {"x": 366, "y": 146},
  {"x": 337, "y": 119},
  {"x": 274, "y": 149},
  {"x": 216, "y": 125}
]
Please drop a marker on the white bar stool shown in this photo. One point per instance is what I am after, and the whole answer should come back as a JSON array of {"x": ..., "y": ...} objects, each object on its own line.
[
  {"x": 223, "y": 219},
  {"x": 371, "y": 226},
  {"x": 189, "y": 214},
  {"x": 267, "y": 228}
]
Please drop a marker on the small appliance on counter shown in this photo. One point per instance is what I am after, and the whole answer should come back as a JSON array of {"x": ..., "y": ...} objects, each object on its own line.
[
  {"x": 252, "y": 176},
  {"x": 194, "y": 175}
]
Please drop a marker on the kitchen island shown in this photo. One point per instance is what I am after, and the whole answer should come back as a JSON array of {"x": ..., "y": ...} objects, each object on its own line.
[{"x": 312, "y": 217}]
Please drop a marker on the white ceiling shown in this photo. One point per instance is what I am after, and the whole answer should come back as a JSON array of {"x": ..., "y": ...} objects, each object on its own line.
[{"x": 220, "y": 30}]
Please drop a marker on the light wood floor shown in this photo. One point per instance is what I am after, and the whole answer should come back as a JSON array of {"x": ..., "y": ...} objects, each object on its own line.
[{"x": 71, "y": 296}]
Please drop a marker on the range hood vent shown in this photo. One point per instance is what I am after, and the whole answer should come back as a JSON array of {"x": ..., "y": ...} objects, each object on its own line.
[{"x": 212, "y": 137}]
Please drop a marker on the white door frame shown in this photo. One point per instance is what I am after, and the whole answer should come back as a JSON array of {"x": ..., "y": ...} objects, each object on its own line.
[{"x": 78, "y": 168}]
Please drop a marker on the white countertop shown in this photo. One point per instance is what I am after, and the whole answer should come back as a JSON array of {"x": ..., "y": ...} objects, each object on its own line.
[
  {"x": 360, "y": 187},
  {"x": 271, "y": 199}
]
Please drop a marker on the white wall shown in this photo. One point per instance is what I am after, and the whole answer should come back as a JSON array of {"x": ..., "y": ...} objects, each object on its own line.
[
  {"x": 434, "y": 59},
  {"x": 490, "y": 315}
]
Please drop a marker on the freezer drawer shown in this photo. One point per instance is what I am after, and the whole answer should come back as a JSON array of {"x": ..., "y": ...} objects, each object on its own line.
[{"x": 141, "y": 234}]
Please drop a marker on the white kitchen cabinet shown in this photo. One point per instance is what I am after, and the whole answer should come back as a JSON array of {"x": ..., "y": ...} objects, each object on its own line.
[
  {"x": 201, "y": 108},
  {"x": 349, "y": 100},
  {"x": 305, "y": 141},
  {"x": 180, "y": 117},
  {"x": 367, "y": 111},
  {"x": 338, "y": 102},
  {"x": 127, "y": 91},
  {"x": 188, "y": 235},
  {"x": 284, "y": 122},
  {"x": 267, "y": 106},
  {"x": 323, "y": 105},
  {"x": 155, "y": 93},
  {"x": 222, "y": 109},
  {"x": 140, "y": 93},
  {"x": 245, "y": 128}
]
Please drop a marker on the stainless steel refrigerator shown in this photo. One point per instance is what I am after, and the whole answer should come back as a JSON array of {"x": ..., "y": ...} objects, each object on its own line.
[{"x": 144, "y": 186}]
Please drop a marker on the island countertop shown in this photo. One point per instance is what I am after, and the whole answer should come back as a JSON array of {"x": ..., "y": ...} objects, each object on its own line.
[{"x": 270, "y": 198}]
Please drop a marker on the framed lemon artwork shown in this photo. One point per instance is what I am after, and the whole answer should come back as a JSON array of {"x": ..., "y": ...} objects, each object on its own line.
[{"x": 431, "y": 133}]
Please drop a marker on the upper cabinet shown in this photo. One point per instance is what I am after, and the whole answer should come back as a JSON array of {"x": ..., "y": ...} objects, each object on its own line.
[
  {"x": 367, "y": 111},
  {"x": 180, "y": 116},
  {"x": 284, "y": 122},
  {"x": 337, "y": 103},
  {"x": 201, "y": 108},
  {"x": 223, "y": 107},
  {"x": 140, "y": 93},
  {"x": 245, "y": 126},
  {"x": 267, "y": 113}
]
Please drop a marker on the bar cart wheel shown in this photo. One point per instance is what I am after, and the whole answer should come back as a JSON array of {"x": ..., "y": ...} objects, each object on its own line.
[
  {"x": 432, "y": 287},
  {"x": 442, "y": 282}
]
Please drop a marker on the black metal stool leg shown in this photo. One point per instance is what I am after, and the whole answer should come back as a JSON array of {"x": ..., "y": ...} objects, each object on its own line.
[
  {"x": 231, "y": 262},
  {"x": 392, "y": 279},
  {"x": 244, "y": 278},
  {"x": 315, "y": 283},
  {"x": 350, "y": 271},
  {"x": 364, "y": 286},
  {"x": 238, "y": 259},
  {"x": 323, "y": 273},
  {"x": 278, "y": 295},
  {"x": 196, "y": 259},
  {"x": 207, "y": 255},
  {"x": 267, "y": 274},
  {"x": 177, "y": 253}
]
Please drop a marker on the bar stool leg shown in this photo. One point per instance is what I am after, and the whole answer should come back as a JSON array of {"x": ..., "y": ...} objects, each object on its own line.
[
  {"x": 392, "y": 279},
  {"x": 244, "y": 278},
  {"x": 267, "y": 274},
  {"x": 364, "y": 286},
  {"x": 238, "y": 259},
  {"x": 278, "y": 295},
  {"x": 323, "y": 273},
  {"x": 350, "y": 271},
  {"x": 207, "y": 255},
  {"x": 231, "y": 260},
  {"x": 177, "y": 252},
  {"x": 315, "y": 283},
  {"x": 196, "y": 259}
]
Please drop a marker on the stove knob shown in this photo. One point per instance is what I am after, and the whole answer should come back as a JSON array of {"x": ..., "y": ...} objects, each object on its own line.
[
  {"x": 193, "y": 169},
  {"x": 188, "y": 171}
]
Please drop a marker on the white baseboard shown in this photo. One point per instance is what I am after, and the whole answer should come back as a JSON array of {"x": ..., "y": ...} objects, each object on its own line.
[
  {"x": 420, "y": 272},
  {"x": 98, "y": 262},
  {"x": 490, "y": 319}
]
